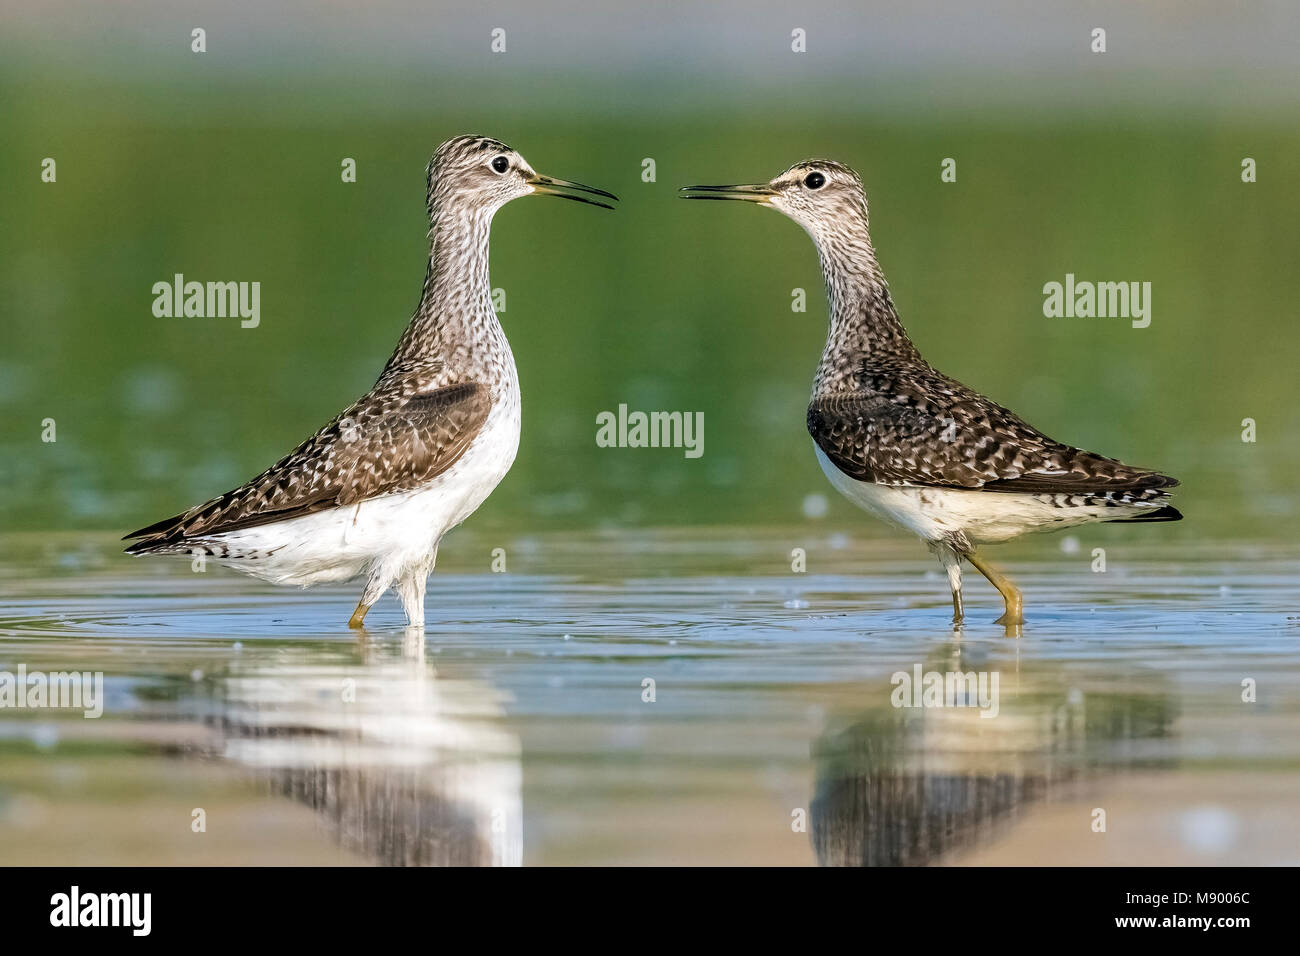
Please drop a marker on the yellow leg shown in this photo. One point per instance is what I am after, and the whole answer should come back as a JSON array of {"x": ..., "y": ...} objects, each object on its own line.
[
  {"x": 358, "y": 618},
  {"x": 1010, "y": 593}
]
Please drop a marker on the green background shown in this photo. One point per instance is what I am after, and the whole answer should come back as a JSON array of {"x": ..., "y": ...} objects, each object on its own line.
[{"x": 234, "y": 175}]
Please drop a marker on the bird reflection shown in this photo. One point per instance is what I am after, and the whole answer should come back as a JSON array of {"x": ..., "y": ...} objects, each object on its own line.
[
  {"x": 909, "y": 786},
  {"x": 405, "y": 767}
]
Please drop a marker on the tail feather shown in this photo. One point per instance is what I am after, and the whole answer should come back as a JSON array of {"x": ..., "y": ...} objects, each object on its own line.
[
  {"x": 157, "y": 544},
  {"x": 1167, "y": 513}
]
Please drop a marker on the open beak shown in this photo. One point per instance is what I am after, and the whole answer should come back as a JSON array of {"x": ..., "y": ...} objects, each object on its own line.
[
  {"x": 758, "y": 192},
  {"x": 546, "y": 186}
]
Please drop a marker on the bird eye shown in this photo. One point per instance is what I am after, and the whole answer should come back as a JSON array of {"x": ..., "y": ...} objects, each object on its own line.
[
  {"x": 814, "y": 181},
  {"x": 501, "y": 164}
]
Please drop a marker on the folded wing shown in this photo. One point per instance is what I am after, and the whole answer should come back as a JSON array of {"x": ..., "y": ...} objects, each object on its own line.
[
  {"x": 898, "y": 433},
  {"x": 383, "y": 444}
]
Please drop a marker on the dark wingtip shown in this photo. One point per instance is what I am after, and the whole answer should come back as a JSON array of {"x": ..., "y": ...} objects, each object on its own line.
[{"x": 157, "y": 528}]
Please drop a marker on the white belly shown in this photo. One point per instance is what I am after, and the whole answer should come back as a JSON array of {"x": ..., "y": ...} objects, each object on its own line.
[
  {"x": 395, "y": 530},
  {"x": 984, "y": 517}
]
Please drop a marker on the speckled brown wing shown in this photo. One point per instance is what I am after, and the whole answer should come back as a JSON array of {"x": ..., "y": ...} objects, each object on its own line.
[
  {"x": 926, "y": 429},
  {"x": 385, "y": 443}
]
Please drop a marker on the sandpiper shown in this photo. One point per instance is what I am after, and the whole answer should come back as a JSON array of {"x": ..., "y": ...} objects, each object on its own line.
[
  {"x": 905, "y": 442},
  {"x": 376, "y": 489}
]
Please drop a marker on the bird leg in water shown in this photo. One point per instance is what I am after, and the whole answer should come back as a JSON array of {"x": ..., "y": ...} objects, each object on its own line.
[
  {"x": 1010, "y": 593},
  {"x": 951, "y": 561},
  {"x": 376, "y": 585},
  {"x": 358, "y": 618}
]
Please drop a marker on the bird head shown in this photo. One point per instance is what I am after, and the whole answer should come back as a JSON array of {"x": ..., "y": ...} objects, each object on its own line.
[
  {"x": 481, "y": 174},
  {"x": 819, "y": 194}
]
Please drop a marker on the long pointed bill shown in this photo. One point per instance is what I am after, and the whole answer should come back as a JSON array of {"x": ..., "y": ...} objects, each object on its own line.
[
  {"x": 546, "y": 186},
  {"x": 758, "y": 192}
]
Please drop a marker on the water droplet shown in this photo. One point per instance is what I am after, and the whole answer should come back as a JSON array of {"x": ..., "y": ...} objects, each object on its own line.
[
  {"x": 1208, "y": 829},
  {"x": 815, "y": 506}
]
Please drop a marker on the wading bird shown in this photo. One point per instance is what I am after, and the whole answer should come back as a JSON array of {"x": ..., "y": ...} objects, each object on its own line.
[
  {"x": 902, "y": 440},
  {"x": 376, "y": 489}
]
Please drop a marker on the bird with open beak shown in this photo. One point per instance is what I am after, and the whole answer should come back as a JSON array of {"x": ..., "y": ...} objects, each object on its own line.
[
  {"x": 902, "y": 440},
  {"x": 375, "y": 489}
]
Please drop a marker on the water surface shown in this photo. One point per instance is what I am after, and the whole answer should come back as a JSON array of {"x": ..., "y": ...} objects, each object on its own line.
[{"x": 519, "y": 729}]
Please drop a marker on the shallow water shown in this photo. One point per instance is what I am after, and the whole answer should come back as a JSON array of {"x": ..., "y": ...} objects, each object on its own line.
[{"x": 518, "y": 729}]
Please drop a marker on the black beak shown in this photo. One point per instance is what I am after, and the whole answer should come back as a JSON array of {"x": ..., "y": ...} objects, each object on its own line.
[
  {"x": 546, "y": 186},
  {"x": 757, "y": 192}
]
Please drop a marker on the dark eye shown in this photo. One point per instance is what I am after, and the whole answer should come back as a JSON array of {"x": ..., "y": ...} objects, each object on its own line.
[
  {"x": 501, "y": 164},
  {"x": 815, "y": 181}
]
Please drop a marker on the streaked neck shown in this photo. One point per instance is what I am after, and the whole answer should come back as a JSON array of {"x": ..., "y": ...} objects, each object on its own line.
[
  {"x": 455, "y": 324},
  {"x": 864, "y": 325}
]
